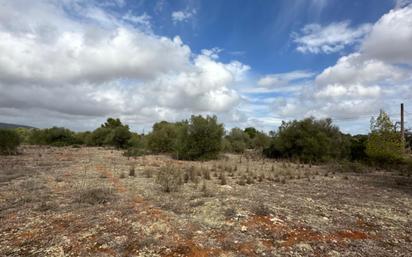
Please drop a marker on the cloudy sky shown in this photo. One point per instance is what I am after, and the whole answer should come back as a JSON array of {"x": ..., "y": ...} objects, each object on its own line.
[{"x": 74, "y": 63}]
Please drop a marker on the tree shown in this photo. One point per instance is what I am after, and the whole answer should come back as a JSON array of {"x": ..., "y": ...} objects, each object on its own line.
[
  {"x": 239, "y": 140},
  {"x": 163, "y": 137},
  {"x": 201, "y": 138},
  {"x": 9, "y": 141},
  {"x": 384, "y": 143},
  {"x": 308, "y": 140},
  {"x": 252, "y": 132},
  {"x": 118, "y": 137},
  {"x": 112, "y": 133}
]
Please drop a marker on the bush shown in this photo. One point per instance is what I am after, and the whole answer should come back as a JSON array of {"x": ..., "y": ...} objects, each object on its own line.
[
  {"x": 96, "y": 196},
  {"x": 199, "y": 139},
  {"x": 384, "y": 144},
  {"x": 308, "y": 140},
  {"x": 358, "y": 148},
  {"x": 163, "y": 137},
  {"x": 53, "y": 136},
  {"x": 9, "y": 141},
  {"x": 112, "y": 133},
  {"x": 169, "y": 179},
  {"x": 238, "y": 139}
]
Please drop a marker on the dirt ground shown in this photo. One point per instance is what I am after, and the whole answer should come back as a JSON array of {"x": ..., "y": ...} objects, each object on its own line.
[{"x": 83, "y": 202}]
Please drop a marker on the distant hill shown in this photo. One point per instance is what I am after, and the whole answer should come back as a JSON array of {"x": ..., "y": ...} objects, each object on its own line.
[{"x": 12, "y": 126}]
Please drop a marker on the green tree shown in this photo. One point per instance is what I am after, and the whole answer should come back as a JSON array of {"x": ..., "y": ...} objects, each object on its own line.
[
  {"x": 201, "y": 138},
  {"x": 239, "y": 140},
  {"x": 308, "y": 140},
  {"x": 162, "y": 139},
  {"x": 9, "y": 141},
  {"x": 112, "y": 133},
  {"x": 252, "y": 132},
  {"x": 384, "y": 143}
]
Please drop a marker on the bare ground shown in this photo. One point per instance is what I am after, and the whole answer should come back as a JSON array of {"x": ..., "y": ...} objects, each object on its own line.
[{"x": 82, "y": 202}]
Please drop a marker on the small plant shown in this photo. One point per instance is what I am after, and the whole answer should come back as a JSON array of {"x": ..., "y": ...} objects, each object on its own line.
[
  {"x": 169, "y": 179},
  {"x": 206, "y": 174},
  {"x": 242, "y": 181},
  {"x": 249, "y": 180},
  {"x": 96, "y": 196},
  {"x": 132, "y": 171},
  {"x": 230, "y": 213},
  {"x": 222, "y": 179},
  {"x": 260, "y": 209},
  {"x": 148, "y": 173},
  {"x": 192, "y": 174}
]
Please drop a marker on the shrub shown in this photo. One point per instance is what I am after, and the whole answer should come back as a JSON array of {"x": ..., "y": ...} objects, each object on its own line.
[
  {"x": 169, "y": 179},
  {"x": 358, "y": 147},
  {"x": 52, "y": 136},
  {"x": 9, "y": 141},
  {"x": 384, "y": 144},
  {"x": 112, "y": 133},
  {"x": 308, "y": 140},
  {"x": 96, "y": 196},
  {"x": 163, "y": 137},
  {"x": 199, "y": 139},
  {"x": 238, "y": 139},
  {"x": 132, "y": 171}
]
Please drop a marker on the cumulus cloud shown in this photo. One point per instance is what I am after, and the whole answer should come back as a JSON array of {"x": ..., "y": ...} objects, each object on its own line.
[
  {"x": 359, "y": 84},
  {"x": 72, "y": 59},
  {"x": 391, "y": 37},
  {"x": 314, "y": 38},
  {"x": 182, "y": 15}
]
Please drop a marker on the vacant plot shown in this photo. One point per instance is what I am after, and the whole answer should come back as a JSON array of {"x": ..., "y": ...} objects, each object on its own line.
[{"x": 96, "y": 202}]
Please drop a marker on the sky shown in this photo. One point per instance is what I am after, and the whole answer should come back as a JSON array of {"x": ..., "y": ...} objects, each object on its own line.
[{"x": 73, "y": 63}]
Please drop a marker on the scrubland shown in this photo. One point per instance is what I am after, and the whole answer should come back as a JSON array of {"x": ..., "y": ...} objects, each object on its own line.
[{"x": 90, "y": 201}]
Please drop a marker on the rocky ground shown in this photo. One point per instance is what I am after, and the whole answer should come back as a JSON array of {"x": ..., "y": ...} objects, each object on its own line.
[{"x": 86, "y": 202}]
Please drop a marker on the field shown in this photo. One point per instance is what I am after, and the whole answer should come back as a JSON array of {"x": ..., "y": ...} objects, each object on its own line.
[{"x": 96, "y": 202}]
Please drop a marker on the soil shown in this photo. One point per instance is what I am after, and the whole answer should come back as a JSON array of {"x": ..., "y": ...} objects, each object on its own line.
[{"x": 82, "y": 202}]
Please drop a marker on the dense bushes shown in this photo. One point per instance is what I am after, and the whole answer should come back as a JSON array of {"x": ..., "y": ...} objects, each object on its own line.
[
  {"x": 308, "y": 140},
  {"x": 9, "y": 141},
  {"x": 53, "y": 136},
  {"x": 203, "y": 138}
]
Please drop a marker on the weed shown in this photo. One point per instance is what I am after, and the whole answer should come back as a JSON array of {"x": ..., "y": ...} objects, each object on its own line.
[
  {"x": 169, "y": 179},
  {"x": 132, "y": 171},
  {"x": 260, "y": 209},
  {"x": 96, "y": 196}
]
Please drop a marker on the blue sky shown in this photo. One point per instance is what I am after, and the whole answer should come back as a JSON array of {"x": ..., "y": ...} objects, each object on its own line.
[{"x": 255, "y": 63}]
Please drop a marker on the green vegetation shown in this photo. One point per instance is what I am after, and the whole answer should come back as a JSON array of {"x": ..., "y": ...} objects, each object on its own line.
[
  {"x": 309, "y": 140},
  {"x": 9, "y": 141},
  {"x": 199, "y": 139},
  {"x": 203, "y": 138},
  {"x": 384, "y": 144}
]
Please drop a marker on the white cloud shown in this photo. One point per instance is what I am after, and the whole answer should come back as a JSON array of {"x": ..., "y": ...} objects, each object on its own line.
[
  {"x": 391, "y": 37},
  {"x": 314, "y": 38},
  {"x": 183, "y": 15},
  {"x": 98, "y": 65},
  {"x": 359, "y": 84},
  {"x": 282, "y": 79}
]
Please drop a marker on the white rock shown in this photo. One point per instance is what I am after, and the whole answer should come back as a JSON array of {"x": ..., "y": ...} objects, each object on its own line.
[{"x": 243, "y": 229}]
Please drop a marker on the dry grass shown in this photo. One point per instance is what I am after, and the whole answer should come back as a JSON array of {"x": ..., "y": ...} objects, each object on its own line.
[{"x": 56, "y": 202}]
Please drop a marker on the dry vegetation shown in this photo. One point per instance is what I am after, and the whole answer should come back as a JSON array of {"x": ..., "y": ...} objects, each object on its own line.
[{"x": 96, "y": 202}]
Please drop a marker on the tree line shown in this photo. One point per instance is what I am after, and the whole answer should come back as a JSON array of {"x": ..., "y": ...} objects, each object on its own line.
[{"x": 204, "y": 138}]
